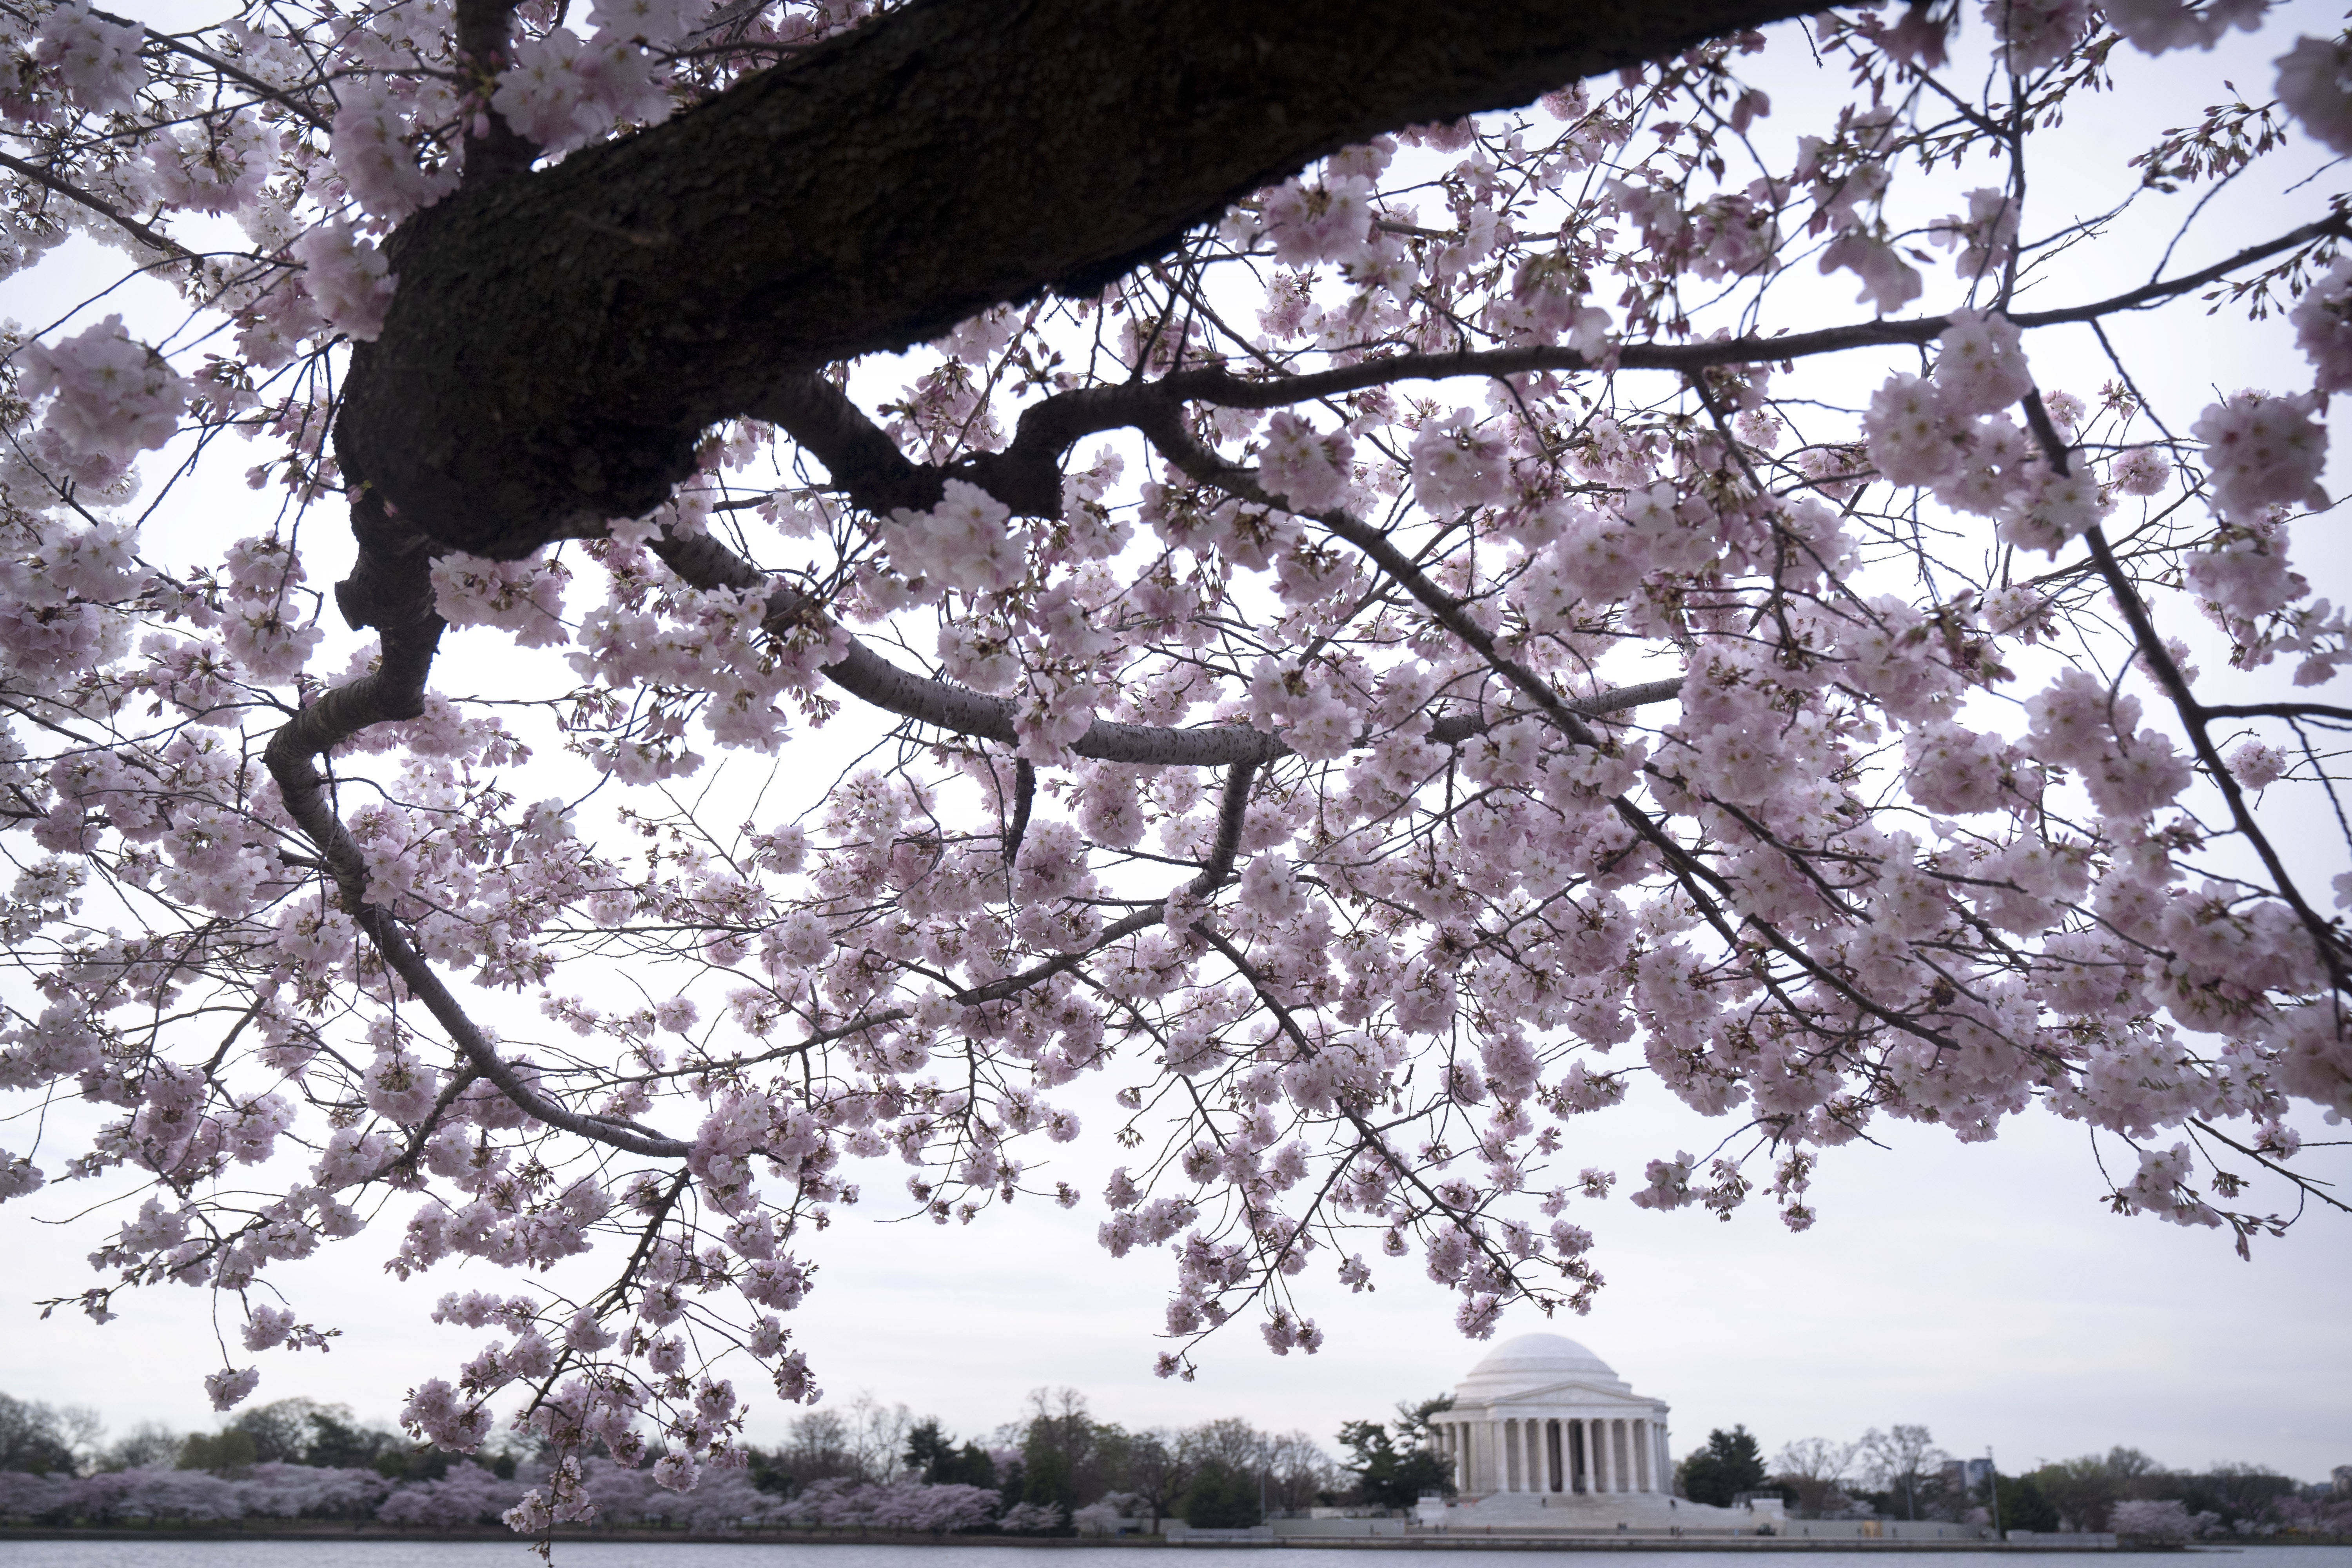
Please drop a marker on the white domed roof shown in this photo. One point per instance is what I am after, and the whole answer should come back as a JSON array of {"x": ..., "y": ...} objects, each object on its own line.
[{"x": 1536, "y": 1361}]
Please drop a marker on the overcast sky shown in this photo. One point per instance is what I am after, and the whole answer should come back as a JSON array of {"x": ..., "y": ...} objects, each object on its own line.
[{"x": 1983, "y": 1290}]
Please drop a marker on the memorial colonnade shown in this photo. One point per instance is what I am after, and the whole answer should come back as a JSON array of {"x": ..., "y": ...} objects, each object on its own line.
[{"x": 1563, "y": 1453}]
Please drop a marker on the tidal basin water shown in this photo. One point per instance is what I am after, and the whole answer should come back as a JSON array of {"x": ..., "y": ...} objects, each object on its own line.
[{"x": 230, "y": 1553}]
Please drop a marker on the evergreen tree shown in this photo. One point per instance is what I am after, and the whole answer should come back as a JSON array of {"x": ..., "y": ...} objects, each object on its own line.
[
  {"x": 2021, "y": 1505},
  {"x": 1731, "y": 1462},
  {"x": 1221, "y": 1498},
  {"x": 1389, "y": 1476}
]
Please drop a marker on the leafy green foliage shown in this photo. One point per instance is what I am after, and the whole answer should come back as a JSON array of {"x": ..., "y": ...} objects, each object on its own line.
[
  {"x": 2021, "y": 1504},
  {"x": 1731, "y": 1462},
  {"x": 1386, "y": 1475},
  {"x": 1221, "y": 1498},
  {"x": 935, "y": 1457}
]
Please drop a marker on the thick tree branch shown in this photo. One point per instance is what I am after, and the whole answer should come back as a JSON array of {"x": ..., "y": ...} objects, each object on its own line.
[
  {"x": 494, "y": 150},
  {"x": 1024, "y": 799},
  {"x": 394, "y": 594},
  {"x": 865, "y": 465},
  {"x": 705, "y": 562},
  {"x": 561, "y": 339},
  {"x": 1233, "y": 814},
  {"x": 1230, "y": 391}
]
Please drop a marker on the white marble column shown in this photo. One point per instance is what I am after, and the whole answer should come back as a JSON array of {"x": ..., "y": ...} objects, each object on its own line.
[
  {"x": 1640, "y": 1430},
  {"x": 1600, "y": 1454},
  {"x": 1538, "y": 1475}
]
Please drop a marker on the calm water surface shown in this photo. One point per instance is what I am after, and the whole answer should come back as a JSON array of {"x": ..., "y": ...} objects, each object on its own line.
[{"x": 233, "y": 1553}]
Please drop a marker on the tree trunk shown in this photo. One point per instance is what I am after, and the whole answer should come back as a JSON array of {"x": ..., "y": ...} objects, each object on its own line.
[{"x": 561, "y": 338}]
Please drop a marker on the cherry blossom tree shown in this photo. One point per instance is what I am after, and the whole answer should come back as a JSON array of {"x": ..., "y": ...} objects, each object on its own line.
[
  {"x": 314, "y": 1491},
  {"x": 2166, "y": 1520},
  {"x": 1386, "y": 579},
  {"x": 466, "y": 1497}
]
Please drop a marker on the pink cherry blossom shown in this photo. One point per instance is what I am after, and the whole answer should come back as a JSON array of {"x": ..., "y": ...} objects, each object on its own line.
[
  {"x": 2323, "y": 328},
  {"x": 962, "y": 542},
  {"x": 96, "y": 59},
  {"x": 347, "y": 277},
  {"x": 2314, "y": 82},
  {"x": 2264, "y": 451},
  {"x": 109, "y": 396}
]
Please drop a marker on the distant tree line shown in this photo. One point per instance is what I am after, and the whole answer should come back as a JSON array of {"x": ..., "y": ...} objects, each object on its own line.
[
  {"x": 1055, "y": 1462},
  {"x": 1899, "y": 1472},
  {"x": 861, "y": 1465},
  {"x": 1054, "y": 1469},
  {"x": 40, "y": 1439}
]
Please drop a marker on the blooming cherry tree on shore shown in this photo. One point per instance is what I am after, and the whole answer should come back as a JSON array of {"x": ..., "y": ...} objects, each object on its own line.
[{"x": 1368, "y": 628}]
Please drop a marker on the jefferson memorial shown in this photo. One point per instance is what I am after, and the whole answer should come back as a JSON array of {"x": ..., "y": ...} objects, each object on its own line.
[
  {"x": 1544, "y": 1435},
  {"x": 1543, "y": 1414},
  {"x": 1547, "y": 1443}
]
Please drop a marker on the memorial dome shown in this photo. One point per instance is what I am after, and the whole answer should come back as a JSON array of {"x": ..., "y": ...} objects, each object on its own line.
[{"x": 1536, "y": 1361}]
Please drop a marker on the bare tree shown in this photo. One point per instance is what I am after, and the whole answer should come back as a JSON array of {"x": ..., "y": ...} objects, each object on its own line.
[
  {"x": 34, "y": 1437},
  {"x": 1230, "y": 1441},
  {"x": 1159, "y": 1469},
  {"x": 1299, "y": 1471},
  {"x": 149, "y": 1446},
  {"x": 1898, "y": 1461},
  {"x": 876, "y": 1435},
  {"x": 1814, "y": 1469},
  {"x": 820, "y": 1444}
]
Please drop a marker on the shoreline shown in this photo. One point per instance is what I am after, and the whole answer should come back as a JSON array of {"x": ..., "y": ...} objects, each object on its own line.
[{"x": 1065, "y": 1542}]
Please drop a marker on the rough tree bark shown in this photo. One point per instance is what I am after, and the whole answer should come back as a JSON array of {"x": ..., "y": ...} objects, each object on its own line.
[{"x": 561, "y": 337}]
